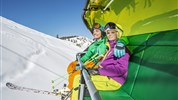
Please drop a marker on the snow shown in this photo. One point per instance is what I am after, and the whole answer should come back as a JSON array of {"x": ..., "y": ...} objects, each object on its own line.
[
  {"x": 80, "y": 41},
  {"x": 32, "y": 59}
]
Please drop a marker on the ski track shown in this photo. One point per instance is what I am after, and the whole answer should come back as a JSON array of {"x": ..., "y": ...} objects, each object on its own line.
[
  {"x": 43, "y": 43},
  {"x": 64, "y": 54},
  {"x": 26, "y": 67},
  {"x": 32, "y": 57}
]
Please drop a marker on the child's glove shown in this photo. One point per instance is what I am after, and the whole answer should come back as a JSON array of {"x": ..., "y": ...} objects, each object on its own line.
[
  {"x": 119, "y": 50},
  {"x": 77, "y": 67}
]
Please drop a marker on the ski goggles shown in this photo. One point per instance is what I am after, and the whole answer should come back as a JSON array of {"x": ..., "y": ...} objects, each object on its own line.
[
  {"x": 110, "y": 26},
  {"x": 97, "y": 26}
]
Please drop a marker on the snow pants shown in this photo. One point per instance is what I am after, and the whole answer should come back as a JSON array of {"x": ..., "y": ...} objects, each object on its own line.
[{"x": 101, "y": 83}]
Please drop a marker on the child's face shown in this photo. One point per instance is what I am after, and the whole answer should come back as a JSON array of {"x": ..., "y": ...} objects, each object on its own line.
[
  {"x": 111, "y": 34},
  {"x": 97, "y": 34}
]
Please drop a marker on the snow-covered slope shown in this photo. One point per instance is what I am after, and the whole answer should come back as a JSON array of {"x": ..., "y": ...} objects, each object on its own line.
[
  {"x": 82, "y": 42},
  {"x": 32, "y": 59}
]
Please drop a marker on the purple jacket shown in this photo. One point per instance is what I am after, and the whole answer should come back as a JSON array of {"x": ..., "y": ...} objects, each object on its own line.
[{"x": 115, "y": 68}]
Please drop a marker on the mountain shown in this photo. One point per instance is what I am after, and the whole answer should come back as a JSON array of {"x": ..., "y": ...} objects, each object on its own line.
[
  {"x": 82, "y": 42},
  {"x": 32, "y": 59}
]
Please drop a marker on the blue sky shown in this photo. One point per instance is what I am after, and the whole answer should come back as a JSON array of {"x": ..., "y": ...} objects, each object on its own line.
[{"x": 62, "y": 17}]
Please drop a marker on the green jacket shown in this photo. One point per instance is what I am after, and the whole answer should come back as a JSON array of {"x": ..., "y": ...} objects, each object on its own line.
[
  {"x": 124, "y": 40},
  {"x": 96, "y": 49}
]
